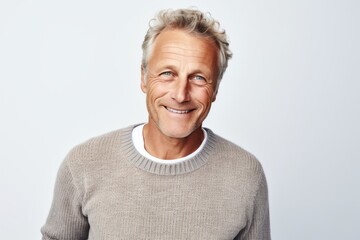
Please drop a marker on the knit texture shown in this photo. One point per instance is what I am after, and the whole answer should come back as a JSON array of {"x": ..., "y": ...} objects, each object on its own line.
[{"x": 106, "y": 190}]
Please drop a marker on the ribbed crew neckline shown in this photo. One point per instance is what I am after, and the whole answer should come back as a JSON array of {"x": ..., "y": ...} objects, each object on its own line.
[
  {"x": 176, "y": 168},
  {"x": 138, "y": 141}
]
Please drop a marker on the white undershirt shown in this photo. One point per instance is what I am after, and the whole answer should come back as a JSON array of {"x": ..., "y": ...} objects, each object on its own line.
[{"x": 138, "y": 140}]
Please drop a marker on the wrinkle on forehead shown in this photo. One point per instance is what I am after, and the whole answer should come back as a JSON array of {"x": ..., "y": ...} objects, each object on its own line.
[
  {"x": 174, "y": 38},
  {"x": 169, "y": 49}
]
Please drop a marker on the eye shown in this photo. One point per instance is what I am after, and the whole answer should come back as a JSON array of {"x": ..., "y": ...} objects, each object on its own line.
[
  {"x": 198, "y": 79},
  {"x": 167, "y": 75}
]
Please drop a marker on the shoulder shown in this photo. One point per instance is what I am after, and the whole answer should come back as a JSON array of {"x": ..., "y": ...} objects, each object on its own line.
[
  {"x": 232, "y": 157},
  {"x": 97, "y": 148}
]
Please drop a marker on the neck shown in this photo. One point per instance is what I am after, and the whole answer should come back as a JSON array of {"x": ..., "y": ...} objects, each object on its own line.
[{"x": 168, "y": 148}]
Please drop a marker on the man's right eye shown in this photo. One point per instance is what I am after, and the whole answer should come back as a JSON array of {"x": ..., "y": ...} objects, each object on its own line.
[{"x": 167, "y": 75}]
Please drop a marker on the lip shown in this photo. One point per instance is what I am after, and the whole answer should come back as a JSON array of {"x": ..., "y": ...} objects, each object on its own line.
[{"x": 178, "y": 111}]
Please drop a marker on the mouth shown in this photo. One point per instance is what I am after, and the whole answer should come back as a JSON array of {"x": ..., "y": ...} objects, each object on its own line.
[{"x": 178, "y": 111}]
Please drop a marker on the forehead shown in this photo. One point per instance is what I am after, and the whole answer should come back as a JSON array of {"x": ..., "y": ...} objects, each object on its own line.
[{"x": 177, "y": 44}]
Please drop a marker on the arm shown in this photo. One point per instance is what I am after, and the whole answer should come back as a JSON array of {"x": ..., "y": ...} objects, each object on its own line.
[
  {"x": 65, "y": 220},
  {"x": 259, "y": 224}
]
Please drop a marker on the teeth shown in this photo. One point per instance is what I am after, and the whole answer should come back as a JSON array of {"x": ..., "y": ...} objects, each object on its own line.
[{"x": 177, "y": 111}]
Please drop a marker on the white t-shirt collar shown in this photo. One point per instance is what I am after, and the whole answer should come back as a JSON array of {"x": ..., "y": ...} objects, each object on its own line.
[{"x": 138, "y": 140}]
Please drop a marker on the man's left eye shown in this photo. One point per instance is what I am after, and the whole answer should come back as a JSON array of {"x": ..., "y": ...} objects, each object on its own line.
[{"x": 197, "y": 77}]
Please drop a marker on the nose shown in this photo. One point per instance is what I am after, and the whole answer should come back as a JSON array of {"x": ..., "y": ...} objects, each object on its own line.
[{"x": 180, "y": 91}]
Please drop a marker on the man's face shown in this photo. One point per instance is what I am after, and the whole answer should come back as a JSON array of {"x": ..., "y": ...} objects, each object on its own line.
[{"x": 179, "y": 82}]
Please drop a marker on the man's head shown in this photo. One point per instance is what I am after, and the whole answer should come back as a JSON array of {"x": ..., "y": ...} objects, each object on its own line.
[
  {"x": 184, "y": 57},
  {"x": 193, "y": 22}
]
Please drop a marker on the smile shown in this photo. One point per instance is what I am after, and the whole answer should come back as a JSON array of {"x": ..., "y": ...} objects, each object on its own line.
[{"x": 177, "y": 111}]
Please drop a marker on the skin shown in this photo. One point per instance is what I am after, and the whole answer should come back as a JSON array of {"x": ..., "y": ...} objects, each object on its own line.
[{"x": 179, "y": 82}]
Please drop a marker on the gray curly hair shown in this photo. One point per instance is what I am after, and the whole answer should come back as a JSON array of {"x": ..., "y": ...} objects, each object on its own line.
[{"x": 194, "y": 22}]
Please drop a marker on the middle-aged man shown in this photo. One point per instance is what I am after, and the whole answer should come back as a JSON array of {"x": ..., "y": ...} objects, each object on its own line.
[{"x": 169, "y": 178}]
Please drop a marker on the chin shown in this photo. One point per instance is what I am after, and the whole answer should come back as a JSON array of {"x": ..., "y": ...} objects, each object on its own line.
[{"x": 177, "y": 132}]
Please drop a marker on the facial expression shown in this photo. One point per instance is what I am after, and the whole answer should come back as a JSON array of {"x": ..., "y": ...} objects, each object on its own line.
[{"x": 179, "y": 82}]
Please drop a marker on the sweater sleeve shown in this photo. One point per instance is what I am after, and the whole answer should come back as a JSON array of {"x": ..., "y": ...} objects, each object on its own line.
[
  {"x": 65, "y": 220},
  {"x": 259, "y": 224}
]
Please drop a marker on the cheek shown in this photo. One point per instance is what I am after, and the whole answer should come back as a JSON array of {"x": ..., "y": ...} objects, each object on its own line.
[
  {"x": 155, "y": 90},
  {"x": 210, "y": 93},
  {"x": 205, "y": 96}
]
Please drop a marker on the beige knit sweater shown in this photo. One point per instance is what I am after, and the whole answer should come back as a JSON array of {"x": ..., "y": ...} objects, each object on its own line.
[{"x": 106, "y": 190}]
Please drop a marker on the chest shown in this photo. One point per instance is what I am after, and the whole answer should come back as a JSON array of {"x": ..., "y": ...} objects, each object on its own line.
[{"x": 138, "y": 207}]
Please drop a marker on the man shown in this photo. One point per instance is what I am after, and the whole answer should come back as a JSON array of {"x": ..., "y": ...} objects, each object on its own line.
[{"x": 169, "y": 178}]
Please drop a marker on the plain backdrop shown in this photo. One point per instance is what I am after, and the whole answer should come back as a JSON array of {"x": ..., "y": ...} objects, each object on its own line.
[{"x": 70, "y": 70}]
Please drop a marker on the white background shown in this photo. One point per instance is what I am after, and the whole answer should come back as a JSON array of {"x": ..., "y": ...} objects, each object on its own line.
[{"x": 70, "y": 70}]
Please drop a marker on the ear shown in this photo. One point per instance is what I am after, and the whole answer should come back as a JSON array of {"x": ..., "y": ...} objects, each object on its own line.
[{"x": 143, "y": 79}]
